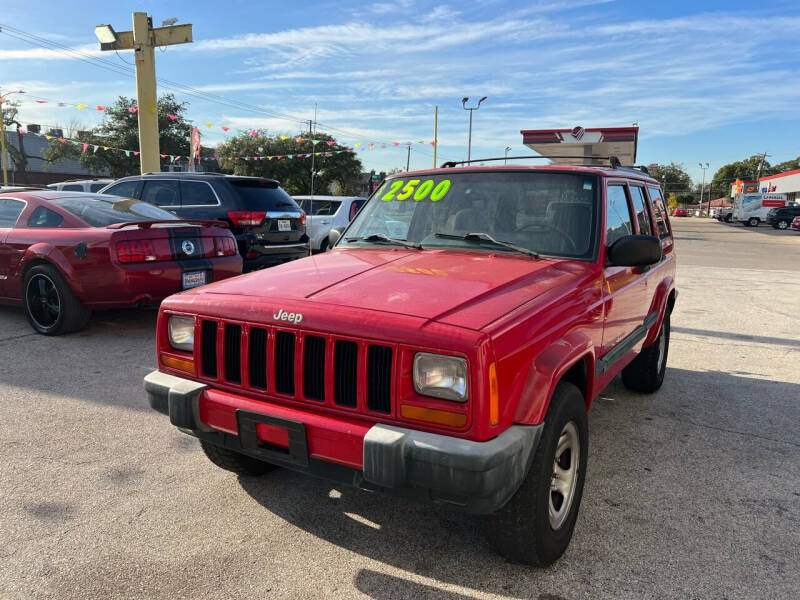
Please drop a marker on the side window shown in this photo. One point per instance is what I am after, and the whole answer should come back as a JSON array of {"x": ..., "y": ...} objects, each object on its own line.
[
  {"x": 355, "y": 207},
  {"x": 10, "y": 211},
  {"x": 44, "y": 217},
  {"x": 96, "y": 187},
  {"x": 618, "y": 214},
  {"x": 640, "y": 208},
  {"x": 126, "y": 189},
  {"x": 72, "y": 187},
  {"x": 660, "y": 210},
  {"x": 161, "y": 192},
  {"x": 197, "y": 193}
]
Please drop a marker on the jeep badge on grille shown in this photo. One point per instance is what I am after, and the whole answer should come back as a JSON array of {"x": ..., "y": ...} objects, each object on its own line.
[{"x": 282, "y": 315}]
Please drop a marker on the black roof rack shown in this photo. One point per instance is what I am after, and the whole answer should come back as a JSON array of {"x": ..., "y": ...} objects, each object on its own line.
[{"x": 184, "y": 173}]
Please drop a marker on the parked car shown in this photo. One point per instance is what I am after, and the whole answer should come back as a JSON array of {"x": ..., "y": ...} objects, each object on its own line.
[
  {"x": 725, "y": 214},
  {"x": 680, "y": 212},
  {"x": 80, "y": 185},
  {"x": 795, "y": 224},
  {"x": 782, "y": 217},
  {"x": 63, "y": 254},
  {"x": 447, "y": 348},
  {"x": 328, "y": 212},
  {"x": 269, "y": 226}
]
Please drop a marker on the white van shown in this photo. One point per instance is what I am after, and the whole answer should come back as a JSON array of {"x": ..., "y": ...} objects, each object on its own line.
[{"x": 752, "y": 209}]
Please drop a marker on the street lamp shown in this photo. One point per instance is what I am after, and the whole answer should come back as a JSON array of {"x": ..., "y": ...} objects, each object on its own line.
[
  {"x": 505, "y": 162},
  {"x": 3, "y": 133},
  {"x": 702, "y": 187},
  {"x": 465, "y": 107}
]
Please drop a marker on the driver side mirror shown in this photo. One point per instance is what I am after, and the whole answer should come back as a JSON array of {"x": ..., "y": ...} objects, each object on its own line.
[
  {"x": 334, "y": 235},
  {"x": 634, "y": 251}
]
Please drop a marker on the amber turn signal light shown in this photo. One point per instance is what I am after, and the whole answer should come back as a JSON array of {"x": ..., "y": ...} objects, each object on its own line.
[
  {"x": 432, "y": 415},
  {"x": 182, "y": 364},
  {"x": 494, "y": 396}
]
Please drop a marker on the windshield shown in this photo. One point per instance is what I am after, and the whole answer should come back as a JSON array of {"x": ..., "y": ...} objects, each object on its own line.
[
  {"x": 101, "y": 210},
  {"x": 553, "y": 214},
  {"x": 262, "y": 194}
]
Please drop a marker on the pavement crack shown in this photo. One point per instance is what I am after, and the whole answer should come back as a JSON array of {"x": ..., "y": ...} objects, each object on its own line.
[{"x": 744, "y": 433}]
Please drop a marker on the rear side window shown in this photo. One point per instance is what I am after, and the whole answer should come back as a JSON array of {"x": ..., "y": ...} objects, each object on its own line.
[
  {"x": 660, "y": 210},
  {"x": 162, "y": 192},
  {"x": 640, "y": 208},
  {"x": 72, "y": 187},
  {"x": 126, "y": 189},
  {"x": 618, "y": 214},
  {"x": 10, "y": 211},
  {"x": 321, "y": 207},
  {"x": 99, "y": 211},
  {"x": 261, "y": 194},
  {"x": 355, "y": 207},
  {"x": 197, "y": 193},
  {"x": 44, "y": 217},
  {"x": 96, "y": 187}
]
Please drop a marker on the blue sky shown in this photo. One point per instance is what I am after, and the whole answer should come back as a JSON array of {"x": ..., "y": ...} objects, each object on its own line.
[{"x": 705, "y": 81}]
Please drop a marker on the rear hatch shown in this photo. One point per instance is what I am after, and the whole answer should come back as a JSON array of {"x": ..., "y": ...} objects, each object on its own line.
[{"x": 265, "y": 214}]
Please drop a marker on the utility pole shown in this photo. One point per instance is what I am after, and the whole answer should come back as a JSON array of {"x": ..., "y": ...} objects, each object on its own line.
[
  {"x": 760, "y": 166},
  {"x": 702, "y": 187},
  {"x": 408, "y": 158},
  {"x": 143, "y": 40}
]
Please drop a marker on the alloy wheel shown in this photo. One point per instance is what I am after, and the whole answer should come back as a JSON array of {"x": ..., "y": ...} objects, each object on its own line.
[{"x": 44, "y": 303}]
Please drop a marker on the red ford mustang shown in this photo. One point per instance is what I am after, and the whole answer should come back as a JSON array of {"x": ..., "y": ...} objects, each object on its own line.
[{"x": 65, "y": 253}]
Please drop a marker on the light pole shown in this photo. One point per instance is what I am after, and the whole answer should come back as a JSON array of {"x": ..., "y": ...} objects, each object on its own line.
[
  {"x": 143, "y": 40},
  {"x": 505, "y": 162},
  {"x": 3, "y": 130},
  {"x": 465, "y": 107},
  {"x": 702, "y": 187}
]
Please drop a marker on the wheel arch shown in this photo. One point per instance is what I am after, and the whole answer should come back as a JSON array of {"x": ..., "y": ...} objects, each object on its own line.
[
  {"x": 47, "y": 254},
  {"x": 570, "y": 359}
]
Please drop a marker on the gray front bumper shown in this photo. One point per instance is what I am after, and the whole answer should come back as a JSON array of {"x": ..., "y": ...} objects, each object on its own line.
[{"x": 478, "y": 477}]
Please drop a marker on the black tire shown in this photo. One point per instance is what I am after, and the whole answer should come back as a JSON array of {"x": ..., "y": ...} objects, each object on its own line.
[
  {"x": 782, "y": 224},
  {"x": 728, "y": 218},
  {"x": 323, "y": 247},
  {"x": 522, "y": 530},
  {"x": 235, "y": 462},
  {"x": 646, "y": 372},
  {"x": 753, "y": 221},
  {"x": 49, "y": 303}
]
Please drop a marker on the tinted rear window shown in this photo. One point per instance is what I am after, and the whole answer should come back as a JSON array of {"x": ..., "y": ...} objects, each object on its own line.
[
  {"x": 321, "y": 207},
  {"x": 99, "y": 211},
  {"x": 258, "y": 194}
]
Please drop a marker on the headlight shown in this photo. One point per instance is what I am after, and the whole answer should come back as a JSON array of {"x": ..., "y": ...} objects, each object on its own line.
[
  {"x": 181, "y": 333},
  {"x": 440, "y": 376}
]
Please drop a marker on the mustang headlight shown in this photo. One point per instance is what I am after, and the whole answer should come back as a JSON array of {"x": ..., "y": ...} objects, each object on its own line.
[
  {"x": 440, "y": 376},
  {"x": 181, "y": 333}
]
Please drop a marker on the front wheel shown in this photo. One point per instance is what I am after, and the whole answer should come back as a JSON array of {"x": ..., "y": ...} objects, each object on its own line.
[
  {"x": 782, "y": 224},
  {"x": 49, "y": 304},
  {"x": 536, "y": 525},
  {"x": 753, "y": 221}
]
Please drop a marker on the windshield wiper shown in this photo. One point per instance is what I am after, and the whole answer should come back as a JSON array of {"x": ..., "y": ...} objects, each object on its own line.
[
  {"x": 379, "y": 237},
  {"x": 485, "y": 237}
]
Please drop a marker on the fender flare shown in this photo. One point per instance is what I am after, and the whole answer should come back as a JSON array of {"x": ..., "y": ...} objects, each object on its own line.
[
  {"x": 547, "y": 370},
  {"x": 665, "y": 289},
  {"x": 48, "y": 253}
]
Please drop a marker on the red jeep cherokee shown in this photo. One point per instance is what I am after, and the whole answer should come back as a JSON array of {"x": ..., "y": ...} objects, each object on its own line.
[{"x": 447, "y": 348}]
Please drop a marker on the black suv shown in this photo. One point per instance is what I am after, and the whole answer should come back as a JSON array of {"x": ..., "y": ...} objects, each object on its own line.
[
  {"x": 781, "y": 218},
  {"x": 269, "y": 226}
]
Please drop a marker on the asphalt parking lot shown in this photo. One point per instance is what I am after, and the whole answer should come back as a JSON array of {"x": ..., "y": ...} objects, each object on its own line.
[{"x": 692, "y": 493}]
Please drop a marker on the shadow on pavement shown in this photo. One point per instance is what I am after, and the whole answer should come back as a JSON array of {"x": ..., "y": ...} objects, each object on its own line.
[
  {"x": 698, "y": 420},
  {"x": 739, "y": 336}
]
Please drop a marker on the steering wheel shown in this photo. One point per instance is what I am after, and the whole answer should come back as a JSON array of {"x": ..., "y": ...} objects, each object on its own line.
[{"x": 564, "y": 235}]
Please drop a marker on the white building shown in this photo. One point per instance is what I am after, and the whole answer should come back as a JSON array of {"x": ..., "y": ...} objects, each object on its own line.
[{"x": 783, "y": 183}]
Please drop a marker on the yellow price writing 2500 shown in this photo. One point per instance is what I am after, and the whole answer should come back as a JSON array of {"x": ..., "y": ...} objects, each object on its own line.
[{"x": 400, "y": 189}]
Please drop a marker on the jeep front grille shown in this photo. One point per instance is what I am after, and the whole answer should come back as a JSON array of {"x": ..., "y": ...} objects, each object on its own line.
[{"x": 356, "y": 375}]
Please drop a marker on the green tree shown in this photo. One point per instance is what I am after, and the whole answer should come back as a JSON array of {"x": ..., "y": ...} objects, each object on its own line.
[
  {"x": 787, "y": 165},
  {"x": 17, "y": 153},
  {"x": 121, "y": 130},
  {"x": 672, "y": 177},
  {"x": 741, "y": 169},
  {"x": 334, "y": 169}
]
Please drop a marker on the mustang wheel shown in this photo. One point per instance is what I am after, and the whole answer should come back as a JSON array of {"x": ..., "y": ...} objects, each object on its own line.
[
  {"x": 234, "y": 461},
  {"x": 50, "y": 306},
  {"x": 536, "y": 525},
  {"x": 646, "y": 372}
]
